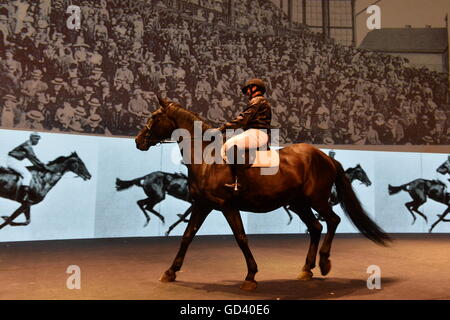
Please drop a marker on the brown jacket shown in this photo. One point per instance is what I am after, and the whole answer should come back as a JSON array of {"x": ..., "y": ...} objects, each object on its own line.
[{"x": 257, "y": 115}]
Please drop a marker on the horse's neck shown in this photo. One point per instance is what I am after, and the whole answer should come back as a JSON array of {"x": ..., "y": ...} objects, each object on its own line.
[
  {"x": 48, "y": 180},
  {"x": 187, "y": 120},
  {"x": 350, "y": 173}
]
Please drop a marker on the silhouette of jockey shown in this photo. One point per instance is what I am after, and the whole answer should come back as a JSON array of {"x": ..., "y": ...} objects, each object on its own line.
[
  {"x": 254, "y": 120},
  {"x": 16, "y": 162}
]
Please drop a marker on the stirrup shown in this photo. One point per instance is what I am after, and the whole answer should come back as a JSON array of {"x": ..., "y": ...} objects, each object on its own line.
[{"x": 234, "y": 186}]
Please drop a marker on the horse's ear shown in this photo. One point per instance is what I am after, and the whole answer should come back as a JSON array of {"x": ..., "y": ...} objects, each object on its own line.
[
  {"x": 359, "y": 165},
  {"x": 163, "y": 102}
]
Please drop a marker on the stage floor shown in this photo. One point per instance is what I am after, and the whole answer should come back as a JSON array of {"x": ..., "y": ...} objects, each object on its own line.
[{"x": 414, "y": 267}]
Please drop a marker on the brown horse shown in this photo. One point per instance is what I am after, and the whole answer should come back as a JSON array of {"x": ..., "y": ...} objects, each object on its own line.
[{"x": 303, "y": 181}]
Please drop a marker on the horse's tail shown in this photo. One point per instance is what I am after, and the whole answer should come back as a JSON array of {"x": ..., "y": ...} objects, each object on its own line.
[
  {"x": 353, "y": 209},
  {"x": 125, "y": 184},
  {"x": 394, "y": 190}
]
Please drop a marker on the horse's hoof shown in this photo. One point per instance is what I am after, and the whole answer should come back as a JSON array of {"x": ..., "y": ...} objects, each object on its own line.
[
  {"x": 325, "y": 267},
  {"x": 305, "y": 276},
  {"x": 168, "y": 276},
  {"x": 248, "y": 285}
]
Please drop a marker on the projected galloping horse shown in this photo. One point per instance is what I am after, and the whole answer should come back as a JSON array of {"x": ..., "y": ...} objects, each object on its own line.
[{"x": 42, "y": 182}]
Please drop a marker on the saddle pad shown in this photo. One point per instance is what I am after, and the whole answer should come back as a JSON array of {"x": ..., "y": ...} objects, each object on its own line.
[{"x": 266, "y": 159}]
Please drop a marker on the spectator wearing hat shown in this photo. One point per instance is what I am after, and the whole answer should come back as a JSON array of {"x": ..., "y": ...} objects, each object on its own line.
[
  {"x": 119, "y": 120},
  {"x": 32, "y": 87},
  {"x": 34, "y": 120},
  {"x": 20, "y": 14},
  {"x": 64, "y": 116},
  {"x": 423, "y": 129},
  {"x": 101, "y": 31},
  {"x": 43, "y": 107},
  {"x": 87, "y": 95},
  {"x": 395, "y": 129},
  {"x": 28, "y": 23},
  {"x": 215, "y": 113},
  {"x": 26, "y": 51},
  {"x": 95, "y": 107},
  {"x": 11, "y": 65},
  {"x": 125, "y": 74},
  {"x": 9, "y": 114},
  {"x": 380, "y": 126},
  {"x": 137, "y": 104},
  {"x": 57, "y": 91},
  {"x": 223, "y": 85},
  {"x": 183, "y": 94},
  {"x": 10, "y": 83},
  {"x": 93, "y": 125},
  {"x": 96, "y": 79},
  {"x": 80, "y": 54},
  {"x": 78, "y": 120},
  {"x": 203, "y": 89},
  {"x": 121, "y": 90},
  {"x": 4, "y": 32},
  {"x": 75, "y": 89}
]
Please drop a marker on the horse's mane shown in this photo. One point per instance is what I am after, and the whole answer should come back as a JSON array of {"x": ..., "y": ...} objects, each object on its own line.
[
  {"x": 185, "y": 114},
  {"x": 57, "y": 160},
  {"x": 180, "y": 175}
]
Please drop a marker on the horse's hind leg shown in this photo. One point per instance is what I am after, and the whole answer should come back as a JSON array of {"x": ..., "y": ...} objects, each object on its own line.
[
  {"x": 315, "y": 228},
  {"x": 286, "y": 208},
  {"x": 234, "y": 220},
  {"x": 197, "y": 217},
  {"x": 441, "y": 218},
  {"x": 147, "y": 205},
  {"x": 182, "y": 219},
  {"x": 413, "y": 206},
  {"x": 332, "y": 220}
]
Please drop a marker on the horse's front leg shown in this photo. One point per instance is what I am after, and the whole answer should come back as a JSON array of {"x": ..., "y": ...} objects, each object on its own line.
[
  {"x": 441, "y": 218},
  {"x": 9, "y": 220},
  {"x": 233, "y": 217},
  {"x": 198, "y": 215}
]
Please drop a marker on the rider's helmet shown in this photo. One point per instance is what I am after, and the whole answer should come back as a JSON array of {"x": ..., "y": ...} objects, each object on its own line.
[
  {"x": 254, "y": 82},
  {"x": 35, "y": 135}
]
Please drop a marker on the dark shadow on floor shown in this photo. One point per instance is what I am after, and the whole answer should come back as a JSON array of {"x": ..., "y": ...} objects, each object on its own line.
[{"x": 289, "y": 289}]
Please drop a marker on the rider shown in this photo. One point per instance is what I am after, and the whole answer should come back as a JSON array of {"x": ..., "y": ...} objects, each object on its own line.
[
  {"x": 254, "y": 120},
  {"x": 20, "y": 153}
]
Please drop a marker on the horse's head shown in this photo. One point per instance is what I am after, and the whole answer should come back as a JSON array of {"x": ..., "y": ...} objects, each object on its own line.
[
  {"x": 445, "y": 167},
  {"x": 77, "y": 166},
  {"x": 361, "y": 175},
  {"x": 158, "y": 128}
]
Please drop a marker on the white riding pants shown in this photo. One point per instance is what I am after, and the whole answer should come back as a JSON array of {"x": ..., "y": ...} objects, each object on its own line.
[
  {"x": 20, "y": 166},
  {"x": 249, "y": 139}
]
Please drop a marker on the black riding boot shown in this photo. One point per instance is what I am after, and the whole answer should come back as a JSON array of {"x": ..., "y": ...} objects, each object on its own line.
[
  {"x": 237, "y": 162},
  {"x": 25, "y": 194}
]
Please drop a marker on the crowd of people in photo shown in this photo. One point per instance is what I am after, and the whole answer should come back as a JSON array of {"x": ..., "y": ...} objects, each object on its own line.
[{"x": 104, "y": 77}]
